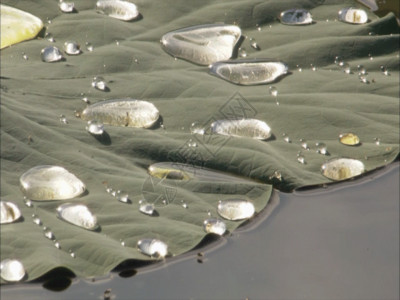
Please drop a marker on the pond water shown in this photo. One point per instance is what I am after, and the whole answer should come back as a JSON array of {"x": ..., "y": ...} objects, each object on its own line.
[{"x": 340, "y": 242}]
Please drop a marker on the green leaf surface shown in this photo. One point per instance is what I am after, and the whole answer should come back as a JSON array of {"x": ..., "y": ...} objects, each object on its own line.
[{"x": 314, "y": 105}]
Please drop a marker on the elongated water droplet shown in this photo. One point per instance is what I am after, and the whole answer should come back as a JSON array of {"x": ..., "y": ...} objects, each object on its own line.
[
  {"x": 147, "y": 209},
  {"x": 249, "y": 71},
  {"x": 349, "y": 139},
  {"x": 353, "y": 15},
  {"x": 72, "y": 48},
  {"x": 342, "y": 168},
  {"x": 48, "y": 36},
  {"x": 153, "y": 247},
  {"x": 9, "y": 212},
  {"x": 242, "y": 52},
  {"x": 89, "y": 46},
  {"x": 123, "y": 112},
  {"x": 202, "y": 44},
  {"x": 50, "y": 183},
  {"x": 118, "y": 9},
  {"x": 66, "y": 7},
  {"x": 251, "y": 128},
  {"x": 12, "y": 270},
  {"x": 235, "y": 209},
  {"x": 296, "y": 17},
  {"x": 214, "y": 226},
  {"x": 321, "y": 148},
  {"x": 99, "y": 83},
  {"x": 77, "y": 214},
  {"x": 51, "y": 54},
  {"x": 95, "y": 127}
]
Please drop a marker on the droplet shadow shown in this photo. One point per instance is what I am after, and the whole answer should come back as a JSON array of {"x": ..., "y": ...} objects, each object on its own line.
[{"x": 103, "y": 138}]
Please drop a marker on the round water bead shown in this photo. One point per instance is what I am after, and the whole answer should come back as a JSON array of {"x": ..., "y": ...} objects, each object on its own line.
[
  {"x": 214, "y": 226},
  {"x": 28, "y": 202},
  {"x": 50, "y": 183},
  {"x": 342, "y": 168},
  {"x": 286, "y": 138},
  {"x": 89, "y": 46},
  {"x": 304, "y": 144},
  {"x": 36, "y": 220},
  {"x": 9, "y": 212},
  {"x": 300, "y": 158},
  {"x": 77, "y": 214},
  {"x": 67, "y": 7},
  {"x": 253, "y": 44},
  {"x": 63, "y": 119},
  {"x": 118, "y": 9},
  {"x": 385, "y": 71},
  {"x": 99, "y": 83},
  {"x": 153, "y": 247},
  {"x": 242, "y": 52},
  {"x": 49, "y": 234},
  {"x": 273, "y": 91},
  {"x": 146, "y": 208},
  {"x": 48, "y": 36},
  {"x": 346, "y": 68},
  {"x": 72, "y": 48},
  {"x": 349, "y": 139},
  {"x": 196, "y": 128},
  {"x": 363, "y": 79},
  {"x": 361, "y": 70},
  {"x": 321, "y": 148},
  {"x": 123, "y": 197},
  {"x": 95, "y": 127},
  {"x": 235, "y": 209},
  {"x": 377, "y": 141},
  {"x": 251, "y": 128},
  {"x": 51, "y": 54},
  {"x": 296, "y": 17},
  {"x": 12, "y": 270},
  {"x": 353, "y": 15}
]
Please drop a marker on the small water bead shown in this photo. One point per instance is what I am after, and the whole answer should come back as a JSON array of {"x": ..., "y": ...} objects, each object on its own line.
[
  {"x": 322, "y": 149},
  {"x": 273, "y": 91},
  {"x": 185, "y": 205},
  {"x": 214, "y": 226},
  {"x": 235, "y": 209},
  {"x": 286, "y": 138},
  {"x": 313, "y": 68},
  {"x": 63, "y": 119},
  {"x": 48, "y": 233},
  {"x": 253, "y": 44},
  {"x": 300, "y": 158},
  {"x": 153, "y": 247},
  {"x": 338, "y": 60},
  {"x": 49, "y": 37},
  {"x": 122, "y": 243},
  {"x": 251, "y": 128},
  {"x": 342, "y": 168},
  {"x": 353, "y": 15},
  {"x": 51, "y": 54},
  {"x": 363, "y": 79},
  {"x": 114, "y": 193},
  {"x": 86, "y": 100},
  {"x": 57, "y": 244},
  {"x": 304, "y": 144},
  {"x": 385, "y": 71},
  {"x": 66, "y": 7},
  {"x": 370, "y": 56},
  {"x": 118, "y": 9},
  {"x": 117, "y": 42},
  {"x": 242, "y": 52},
  {"x": 9, "y": 212},
  {"x": 146, "y": 208},
  {"x": 89, "y": 46},
  {"x": 12, "y": 270},
  {"x": 361, "y": 70},
  {"x": 28, "y": 202},
  {"x": 77, "y": 214},
  {"x": 209, "y": 213},
  {"x": 123, "y": 197},
  {"x": 349, "y": 139},
  {"x": 346, "y": 68},
  {"x": 72, "y": 254},
  {"x": 72, "y": 48},
  {"x": 24, "y": 56},
  {"x": 197, "y": 128},
  {"x": 109, "y": 190},
  {"x": 36, "y": 220},
  {"x": 99, "y": 83},
  {"x": 94, "y": 127},
  {"x": 276, "y": 175},
  {"x": 377, "y": 141}
]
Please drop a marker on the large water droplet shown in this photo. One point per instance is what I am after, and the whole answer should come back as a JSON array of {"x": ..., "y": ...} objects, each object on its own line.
[
  {"x": 251, "y": 128},
  {"x": 349, "y": 139},
  {"x": 67, "y": 7},
  {"x": 296, "y": 17},
  {"x": 51, "y": 54},
  {"x": 72, "y": 48},
  {"x": 77, "y": 214},
  {"x": 322, "y": 149},
  {"x": 249, "y": 71},
  {"x": 50, "y": 183},
  {"x": 147, "y": 208},
  {"x": 9, "y": 212},
  {"x": 353, "y": 15},
  {"x": 118, "y": 9},
  {"x": 153, "y": 247},
  {"x": 12, "y": 270},
  {"x": 342, "y": 168},
  {"x": 235, "y": 209},
  {"x": 202, "y": 44},
  {"x": 95, "y": 127},
  {"x": 123, "y": 112},
  {"x": 214, "y": 226},
  {"x": 99, "y": 83}
]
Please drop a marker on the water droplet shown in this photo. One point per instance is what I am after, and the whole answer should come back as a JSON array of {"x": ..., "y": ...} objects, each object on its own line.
[
  {"x": 77, "y": 214},
  {"x": 377, "y": 141},
  {"x": 346, "y": 68},
  {"x": 72, "y": 48},
  {"x": 9, "y": 212},
  {"x": 72, "y": 254},
  {"x": 146, "y": 208},
  {"x": 12, "y": 270},
  {"x": 370, "y": 56},
  {"x": 51, "y": 54},
  {"x": 95, "y": 127},
  {"x": 89, "y": 46},
  {"x": 114, "y": 193},
  {"x": 249, "y": 71},
  {"x": 235, "y": 209},
  {"x": 361, "y": 70},
  {"x": 67, "y": 7},
  {"x": 338, "y": 60},
  {"x": 342, "y": 168},
  {"x": 86, "y": 100},
  {"x": 322, "y": 149},
  {"x": 385, "y": 71},
  {"x": 122, "y": 243},
  {"x": 123, "y": 197},
  {"x": 242, "y": 52},
  {"x": 349, "y": 139},
  {"x": 202, "y": 44},
  {"x": 313, "y": 68},
  {"x": 50, "y": 183},
  {"x": 109, "y": 190},
  {"x": 214, "y": 226},
  {"x": 250, "y": 128},
  {"x": 24, "y": 56},
  {"x": 208, "y": 213},
  {"x": 48, "y": 233},
  {"x": 363, "y": 79},
  {"x": 286, "y": 138},
  {"x": 296, "y": 17},
  {"x": 185, "y": 205},
  {"x": 49, "y": 37},
  {"x": 273, "y": 91},
  {"x": 118, "y": 9},
  {"x": 353, "y": 15},
  {"x": 123, "y": 112},
  {"x": 57, "y": 244},
  {"x": 63, "y": 119},
  {"x": 136, "y": 61},
  {"x": 153, "y": 247},
  {"x": 28, "y": 202},
  {"x": 196, "y": 128},
  {"x": 300, "y": 158},
  {"x": 277, "y": 175},
  {"x": 304, "y": 144},
  {"x": 99, "y": 83},
  {"x": 36, "y": 220},
  {"x": 117, "y": 42}
]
